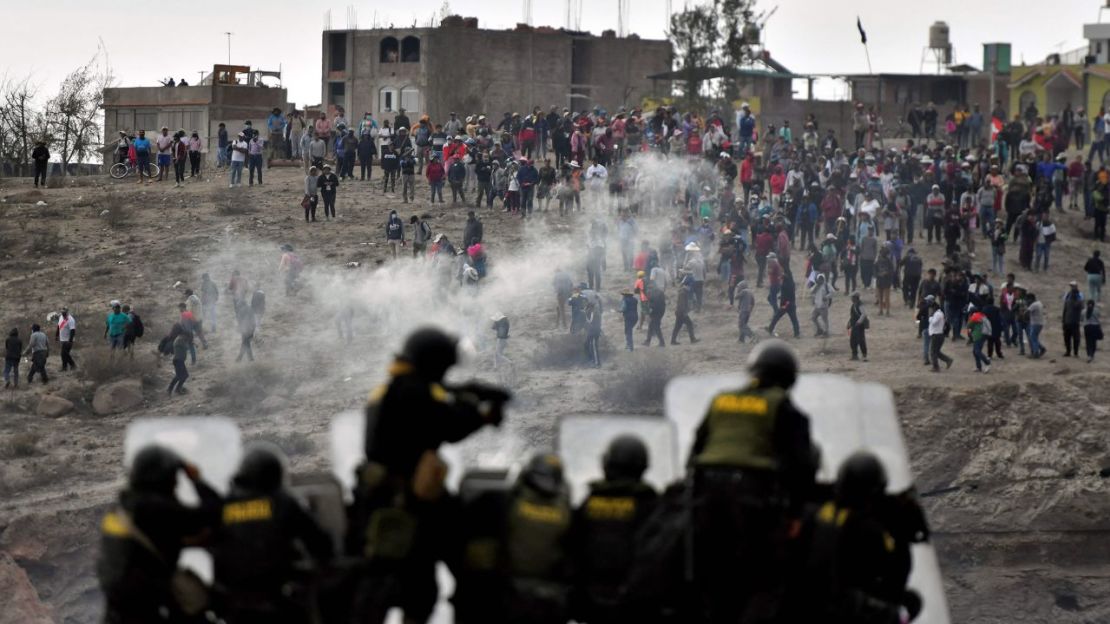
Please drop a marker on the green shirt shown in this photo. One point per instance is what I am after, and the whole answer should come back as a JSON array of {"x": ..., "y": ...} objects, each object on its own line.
[{"x": 117, "y": 323}]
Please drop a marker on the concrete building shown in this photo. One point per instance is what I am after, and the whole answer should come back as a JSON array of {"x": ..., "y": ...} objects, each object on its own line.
[
  {"x": 459, "y": 67},
  {"x": 231, "y": 94},
  {"x": 1079, "y": 77}
]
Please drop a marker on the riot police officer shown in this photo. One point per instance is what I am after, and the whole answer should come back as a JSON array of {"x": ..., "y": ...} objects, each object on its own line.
[
  {"x": 753, "y": 464},
  {"x": 257, "y": 544},
  {"x": 853, "y": 572},
  {"x": 397, "y": 520},
  {"x": 143, "y": 536},
  {"x": 605, "y": 529},
  {"x": 536, "y": 544}
]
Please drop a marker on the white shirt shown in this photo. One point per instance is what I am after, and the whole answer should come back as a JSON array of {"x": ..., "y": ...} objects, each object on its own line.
[
  {"x": 936, "y": 323},
  {"x": 236, "y": 155},
  {"x": 870, "y": 207},
  {"x": 596, "y": 172},
  {"x": 66, "y": 327}
]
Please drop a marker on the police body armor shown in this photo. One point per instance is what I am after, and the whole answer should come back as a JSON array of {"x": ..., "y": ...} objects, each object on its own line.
[
  {"x": 740, "y": 429},
  {"x": 254, "y": 560},
  {"x": 845, "y": 547},
  {"x": 606, "y": 531},
  {"x": 537, "y": 533}
]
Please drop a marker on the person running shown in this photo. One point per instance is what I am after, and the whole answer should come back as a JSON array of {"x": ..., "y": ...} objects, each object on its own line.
[
  {"x": 979, "y": 328},
  {"x": 682, "y": 310},
  {"x": 182, "y": 346}
]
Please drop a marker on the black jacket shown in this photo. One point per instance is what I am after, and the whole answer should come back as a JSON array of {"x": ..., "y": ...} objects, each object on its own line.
[
  {"x": 13, "y": 348},
  {"x": 414, "y": 415},
  {"x": 473, "y": 232},
  {"x": 255, "y": 548},
  {"x": 136, "y": 581}
]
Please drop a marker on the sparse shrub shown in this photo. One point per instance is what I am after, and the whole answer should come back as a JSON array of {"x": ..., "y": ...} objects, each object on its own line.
[
  {"x": 561, "y": 350},
  {"x": 44, "y": 241},
  {"x": 55, "y": 181},
  {"x": 640, "y": 380},
  {"x": 25, "y": 444},
  {"x": 99, "y": 364},
  {"x": 233, "y": 207},
  {"x": 118, "y": 215},
  {"x": 245, "y": 387},
  {"x": 292, "y": 443}
]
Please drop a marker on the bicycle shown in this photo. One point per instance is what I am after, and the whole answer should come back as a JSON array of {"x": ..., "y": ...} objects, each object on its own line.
[{"x": 120, "y": 171}]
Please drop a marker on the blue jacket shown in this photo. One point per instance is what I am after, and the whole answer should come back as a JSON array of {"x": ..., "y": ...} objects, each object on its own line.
[
  {"x": 527, "y": 175},
  {"x": 747, "y": 127}
]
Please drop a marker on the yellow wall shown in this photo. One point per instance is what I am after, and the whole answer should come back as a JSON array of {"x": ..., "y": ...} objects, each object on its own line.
[{"x": 1097, "y": 87}]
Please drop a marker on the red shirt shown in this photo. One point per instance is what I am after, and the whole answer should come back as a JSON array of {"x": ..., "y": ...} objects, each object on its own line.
[{"x": 763, "y": 242}]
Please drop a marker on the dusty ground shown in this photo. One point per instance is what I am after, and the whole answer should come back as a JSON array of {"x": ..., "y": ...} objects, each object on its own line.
[{"x": 1021, "y": 533}]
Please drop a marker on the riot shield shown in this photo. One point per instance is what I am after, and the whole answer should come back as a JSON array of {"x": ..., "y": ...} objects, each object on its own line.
[
  {"x": 347, "y": 437},
  {"x": 212, "y": 443},
  {"x": 845, "y": 416},
  {"x": 322, "y": 496},
  {"x": 583, "y": 441}
]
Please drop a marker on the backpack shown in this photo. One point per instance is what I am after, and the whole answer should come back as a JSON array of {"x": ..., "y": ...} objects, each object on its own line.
[
  {"x": 137, "y": 325},
  {"x": 427, "y": 229},
  {"x": 165, "y": 345},
  {"x": 295, "y": 264},
  {"x": 987, "y": 329}
]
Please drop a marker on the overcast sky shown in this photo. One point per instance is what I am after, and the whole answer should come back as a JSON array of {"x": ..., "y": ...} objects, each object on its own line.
[{"x": 147, "y": 41}]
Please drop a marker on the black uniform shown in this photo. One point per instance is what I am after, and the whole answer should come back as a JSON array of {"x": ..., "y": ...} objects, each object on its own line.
[
  {"x": 255, "y": 552},
  {"x": 135, "y": 579},
  {"x": 854, "y": 572},
  {"x": 604, "y": 547},
  {"x": 753, "y": 466},
  {"x": 400, "y": 533},
  {"x": 536, "y": 543}
]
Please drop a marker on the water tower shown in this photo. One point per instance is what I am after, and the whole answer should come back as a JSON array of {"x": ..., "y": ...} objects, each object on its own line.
[{"x": 939, "y": 48}]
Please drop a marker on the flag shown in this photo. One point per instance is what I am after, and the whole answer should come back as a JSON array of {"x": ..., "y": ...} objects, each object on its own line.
[
  {"x": 996, "y": 127},
  {"x": 862, "y": 35}
]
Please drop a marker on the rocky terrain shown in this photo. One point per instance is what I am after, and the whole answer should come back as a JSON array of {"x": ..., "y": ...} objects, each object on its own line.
[{"x": 1009, "y": 461}]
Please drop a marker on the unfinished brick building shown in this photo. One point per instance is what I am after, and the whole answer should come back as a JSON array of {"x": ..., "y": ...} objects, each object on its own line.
[{"x": 459, "y": 67}]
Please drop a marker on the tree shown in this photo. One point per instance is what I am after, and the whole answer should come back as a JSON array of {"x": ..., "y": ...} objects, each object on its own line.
[
  {"x": 74, "y": 113},
  {"x": 736, "y": 37},
  {"x": 694, "y": 34},
  {"x": 21, "y": 124}
]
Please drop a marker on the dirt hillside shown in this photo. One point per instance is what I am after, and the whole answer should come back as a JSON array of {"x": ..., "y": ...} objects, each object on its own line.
[{"x": 1010, "y": 460}]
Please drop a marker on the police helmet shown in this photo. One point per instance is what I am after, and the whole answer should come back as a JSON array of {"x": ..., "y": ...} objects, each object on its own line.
[
  {"x": 861, "y": 479},
  {"x": 154, "y": 470},
  {"x": 774, "y": 363},
  {"x": 262, "y": 469},
  {"x": 626, "y": 458},
  {"x": 544, "y": 473},
  {"x": 431, "y": 352}
]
